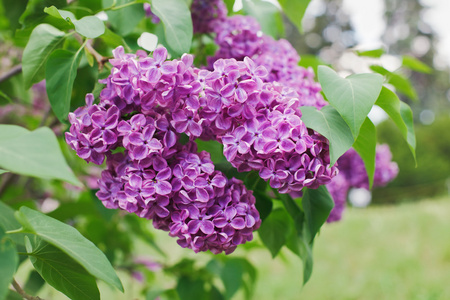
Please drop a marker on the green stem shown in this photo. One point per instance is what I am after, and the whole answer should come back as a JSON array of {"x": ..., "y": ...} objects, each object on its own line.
[
  {"x": 20, "y": 230},
  {"x": 114, "y": 7}
]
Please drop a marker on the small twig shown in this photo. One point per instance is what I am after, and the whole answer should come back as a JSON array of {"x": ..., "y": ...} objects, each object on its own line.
[
  {"x": 101, "y": 60},
  {"x": 14, "y": 71},
  {"x": 23, "y": 293}
]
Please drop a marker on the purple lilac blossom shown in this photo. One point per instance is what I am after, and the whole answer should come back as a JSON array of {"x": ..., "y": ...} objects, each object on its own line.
[
  {"x": 149, "y": 14},
  {"x": 352, "y": 174},
  {"x": 205, "y": 13}
]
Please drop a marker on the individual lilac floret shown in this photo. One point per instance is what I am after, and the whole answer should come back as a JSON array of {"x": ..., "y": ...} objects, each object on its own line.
[
  {"x": 385, "y": 169},
  {"x": 205, "y": 13},
  {"x": 150, "y": 14}
]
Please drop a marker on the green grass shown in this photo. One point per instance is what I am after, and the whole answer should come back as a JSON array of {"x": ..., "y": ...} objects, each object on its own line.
[{"x": 391, "y": 252}]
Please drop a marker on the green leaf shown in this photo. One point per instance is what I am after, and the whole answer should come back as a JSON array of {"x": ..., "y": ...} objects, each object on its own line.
[
  {"x": 15, "y": 9},
  {"x": 114, "y": 40},
  {"x": 329, "y": 123},
  {"x": 71, "y": 242},
  {"x": 60, "y": 73},
  {"x": 295, "y": 10},
  {"x": 124, "y": 20},
  {"x": 231, "y": 275},
  {"x": 212, "y": 147},
  {"x": 371, "y": 53},
  {"x": 8, "y": 262},
  {"x": 176, "y": 18},
  {"x": 275, "y": 230},
  {"x": 89, "y": 26},
  {"x": 34, "y": 283},
  {"x": 267, "y": 14},
  {"x": 9, "y": 222},
  {"x": 190, "y": 289},
  {"x": 6, "y": 97},
  {"x": 229, "y": 4},
  {"x": 61, "y": 271},
  {"x": 415, "y": 64},
  {"x": 307, "y": 60},
  {"x": 401, "y": 83},
  {"x": 353, "y": 97},
  {"x": 365, "y": 145},
  {"x": 34, "y": 12},
  {"x": 401, "y": 114},
  {"x": 263, "y": 204},
  {"x": 317, "y": 205},
  {"x": 36, "y": 153},
  {"x": 43, "y": 41},
  {"x": 293, "y": 209},
  {"x": 3, "y": 171}
]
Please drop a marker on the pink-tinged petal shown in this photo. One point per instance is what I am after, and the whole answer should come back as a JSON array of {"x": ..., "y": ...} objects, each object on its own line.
[
  {"x": 235, "y": 110},
  {"x": 300, "y": 147},
  {"x": 270, "y": 147},
  {"x": 160, "y": 54},
  {"x": 163, "y": 188},
  {"x": 238, "y": 223},
  {"x": 239, "y": 132},
  {"x": 135, "y": 138},
  {"x": 162, "y": 212},
  {"x": 228, "y": 140},
  {"x": 180, "y": 126},
  {"x": 193, "y": 226},
  {"x": 250, "y": 221},
  {"x": 220, "y": 222},
  {"x": 148, "y": 132},
  {"x": 202, "y": 195},
  {"x": 201, "y": 182},
  {"x": 219, "y": 181},
  {"x": 135, "y": 181},
  {"x": 179, "y": 116},
  {"x": 228, "y": 230},
  {"x": 230, "y": 153},
  {"x": 227, "y": 90},
  {"x": 123, "y": 127},
  {"x": 287, "y": 145},
  {"x": 223, "y": 123},
  {"x": 195, "y": 129},
  {"x": 139, "y": 152},
  {"x": 154, "y": 144},
  {"x": 153, "y": 75},
  {"x": 193, "y": 102},
  {"x": 168, "y": 67},
  {"x": 247, "y": 85},
  {"x": 243, "y": 147},
  {"x": 109, "y": 137},
  {"x": 230, "y": 212},
  {"x": 270, "y": 133},
  {"x": 170, "y": 139},
  {"x": 233, "y": 76},
  {"x": 265, "y": 173},
  {"x": 207, "y": 227},
  {"x": 241, "y": 95},
  {"x": 84, "y": 153},
  {"x": 208, "y": 168},
  {"x": 98, "y": 119},
  {"x": 187, "y": 59},
  {"x": 164, "y": 174},
  {"x": 261, "y": 72}
]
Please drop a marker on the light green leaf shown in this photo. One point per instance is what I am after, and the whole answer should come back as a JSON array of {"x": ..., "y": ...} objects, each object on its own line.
[
  {"x": 401, "y": 114},
  {"x": 60, "y": 73},
  {"x": 329, "y": 123},
  {"x": 124, "y": 20},
  {"x": 371, "y": 53},
  {"x": 353, "y": 97},
  {"x": 61, "y": 271},
  {"x": 189, "y": 289},
  {"x": 231, "y": 275},
  {"x": 295, "y": 10},
  {"x": 114, "y": 40},
  {"x": 317, "y": 205},
  {"x": 89, "y": 26},
  {"x": 176, "y": 18},
  {"x": 365, "y": 145},
  {"x": 308, "y": 60},
  {"x": 229, "y": 4},
  {"x": 43, "y": 41},
  {"x": 8, "y": 262},
  {"x": 71, "y": 242},
  {"x": 400, "y": 82},
  {"x": 3, "y": 171},
  {"x": 415, "y": 64},
  {"x": 275, "y": 230},
  {"x": 267, "y": 15},
  {"x": 36, "y": 153}
]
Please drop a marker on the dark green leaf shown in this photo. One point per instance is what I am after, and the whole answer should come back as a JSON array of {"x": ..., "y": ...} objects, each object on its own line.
[
  {"x": 307, "y": 60},
  {"x": 124, "y": 20},
  {"x": 190, "y": 289},
  {"x": 9, "y": 222},
  {"x": 61, "y": 271},
  {"x": 15, "y": 9},
  {"x": 295, "y": 10},
  {"x": 114, "y": 40},
  {"x": 293, "y": 209},
  {"x": 229, "y": 4},
  {"x": 71, "y": 242},
  {"x": 212, "y": 147},
  {"x": 267, "y": 14},
  {"x": 353, "y": 97},
  {"x": 13, "y": 295},
  {"x": 329, "y": 123},
  {"x": 34, "y": 283},
  {"x": 400, "y": 82},
  {"x": 6, "y": 97},
  {"x": 36, "y": 153},
  {"x": 365, "y": 145},
  {"x": 8, "y": 262},
  {"x": 231, "y": 275},
  {"x": 176, "y": 18},
  {"x": 275, "y": 230},
  {"x": 60, "y": 73},
  {"x": 401, "y": 114},
  {"x": 34, "y": 13},
  {"x": 317, "y": 205},
  {"x": 415, "y": 64},
  {"x": 43, "y": 41},
  {"x": 371, "y": 53}
]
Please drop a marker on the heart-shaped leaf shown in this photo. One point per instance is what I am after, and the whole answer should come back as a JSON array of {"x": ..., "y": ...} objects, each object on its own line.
[{"x": 365, "y": 145}]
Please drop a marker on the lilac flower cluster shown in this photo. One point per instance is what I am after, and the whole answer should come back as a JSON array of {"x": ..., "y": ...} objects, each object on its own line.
[
  {"x": 352, "y": 174},
  {"x": 240, "y": 36},
  {"x": 205, "y": 13}
]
